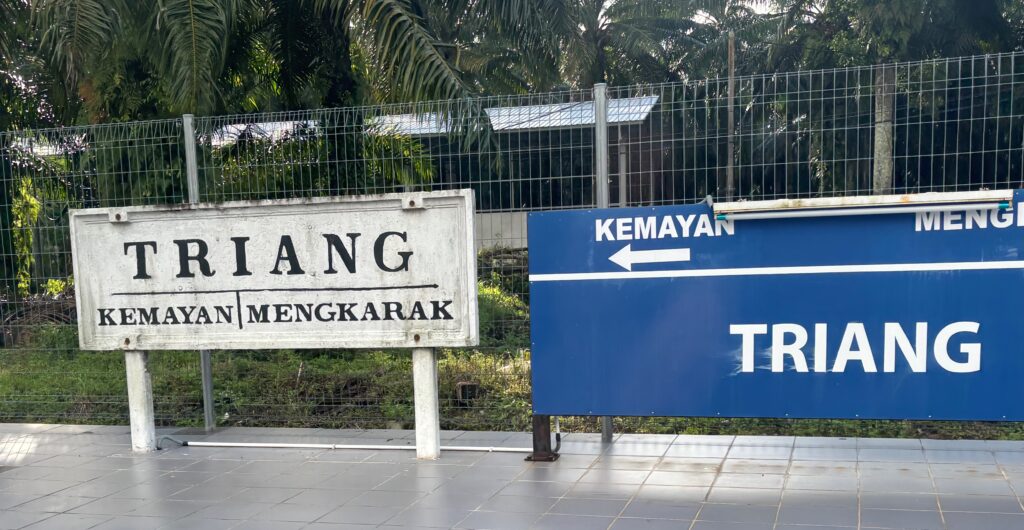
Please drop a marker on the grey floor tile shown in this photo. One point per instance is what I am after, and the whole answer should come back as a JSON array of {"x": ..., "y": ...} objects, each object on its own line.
[
  {"x": 960, "y": 457},
  {"x": 428, "y": 518},
  {"x": 480, "y": 520},
  {"x": 15, "y": 520},
  {"x": 733, "y": 513},
  {"x": 635, "y": 463},
  {"x": 674, "y": 494},
  {"x": 571, "y": 522},
  {"x": 719, "y": 525},
  {"x": 953, "y": 470},
  {"x": 744, "y": 465},
  {"x": 598, "y": 507},
  {"x": 111, "y": 506},
  {"x": 834, "y": 515},
  {"x": 977, "y": 521},
  {"x": 753, "y": 496},
  {"x": 338, "y": 526},
  {"x": 655, "y": 509},
  {"x": 551, "y": 474},
  {"x": 537, "y": 489},
  {"x": 890, "y": 455},
  {"x": 761, "y": 452},
  {"x": 614, "y": 476},
  {"x": 899, "y": 501},
  {"x": 750, "y": 480},
  {"x": 824, "y": 453},
  {"x": 450, "y": 501},
  {"x": 269, "y": 525},
  {"x": 324, "y": 497},
  {"x": 633, "y": 523},
  {"x": 800, "y": 498},
  {"x": 704, "y": 439},
  {"x": 764, "y": 441},
  {"x": 516, "y": 504},
  {"x": 637, "y": 449},
  {"x": 232, "y": 510},
  {"x": 819, "y": 468},
  {"x": 134, "y": 523},
  {"x": 399, "y": 499},
  {"x": 199, "y": 523},
  {"x": 672, "y": 478},
  {"x": 918, "y": 520},
  {"x": 697, "y": 451},
  {"x": 881, "y": 483},
  {"x": 360, "y": 515},
  {"x": 53, "y": 504},
  {"x": 822, "y": 482},
  {"x": 294, "y": 512},
  {"x": 68, "y": 521},
  {"x": 973, "y": 487},
  {"x": 980, "y": 503},
  {"x": 689, "y": 465},
  {"x": 603, "y": 491}
]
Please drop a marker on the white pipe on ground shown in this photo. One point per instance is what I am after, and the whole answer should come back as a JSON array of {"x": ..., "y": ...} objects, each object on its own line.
[{"x": 272, "y": 445}]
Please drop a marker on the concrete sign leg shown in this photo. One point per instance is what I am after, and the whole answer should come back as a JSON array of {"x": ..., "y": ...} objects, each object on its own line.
[
  {"x": 428, "y": 417},
  {"x": 140, "y": 401}
]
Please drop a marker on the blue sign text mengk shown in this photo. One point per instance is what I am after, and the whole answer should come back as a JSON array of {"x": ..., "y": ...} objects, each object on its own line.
[{"x": 667, "y": 311}]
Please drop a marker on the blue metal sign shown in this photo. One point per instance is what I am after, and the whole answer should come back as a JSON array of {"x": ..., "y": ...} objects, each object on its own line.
[{"x": 667, "y": 311}]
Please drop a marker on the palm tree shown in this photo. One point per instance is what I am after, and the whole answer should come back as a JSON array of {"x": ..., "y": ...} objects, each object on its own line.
[
  {"x": 622, "y": 41},
  {"x": 200, "y": 50}
]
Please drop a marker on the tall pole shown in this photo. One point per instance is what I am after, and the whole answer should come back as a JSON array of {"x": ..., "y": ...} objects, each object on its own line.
[
  {"x": 601, "y": 184},
  {"x": 730, "y": 176},
  {"x": 601, "y": 191},
  {"x": 192, "y": 178}
]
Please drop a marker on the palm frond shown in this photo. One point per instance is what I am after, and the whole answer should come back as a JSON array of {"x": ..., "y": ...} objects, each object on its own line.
[
  {"x": 192, "y": 35},
  {"x": 75, "y": 30},
  {"x": 407, "y": 54}
]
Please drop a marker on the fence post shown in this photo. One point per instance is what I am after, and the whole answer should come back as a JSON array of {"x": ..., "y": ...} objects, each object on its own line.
[
  {"x": 192, "y": 178},
  {"x": 601, "y": 185},
  {"x": 730, "y": 169},
  {"x": 885, "y": 90}
]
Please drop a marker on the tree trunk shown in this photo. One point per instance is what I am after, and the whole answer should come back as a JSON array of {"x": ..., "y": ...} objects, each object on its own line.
[{"x": 885, "y": 88}]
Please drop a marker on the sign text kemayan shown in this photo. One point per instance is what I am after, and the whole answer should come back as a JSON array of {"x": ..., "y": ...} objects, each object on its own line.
[
  {"x": 275, "y": 313},
  {"x": 660, "y": 227},
  {"x": 858, "y": 350}
]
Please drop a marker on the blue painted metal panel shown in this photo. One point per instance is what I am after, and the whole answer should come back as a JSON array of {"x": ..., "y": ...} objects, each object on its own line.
[{"x": 940, "y": 291}]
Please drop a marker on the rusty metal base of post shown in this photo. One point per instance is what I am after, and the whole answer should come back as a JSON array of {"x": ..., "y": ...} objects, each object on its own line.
[{"x": 542, "y": 451}]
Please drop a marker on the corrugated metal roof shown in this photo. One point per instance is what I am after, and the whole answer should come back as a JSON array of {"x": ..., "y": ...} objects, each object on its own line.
[
  {"x": 621, "y": 111},
  {"x": 427, "y": 124}
]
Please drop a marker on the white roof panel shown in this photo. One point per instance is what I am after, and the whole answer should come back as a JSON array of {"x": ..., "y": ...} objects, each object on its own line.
[
  {"x": 567, "y": 115},
  {"x": 622, "y": 111},
  {"x": 428, "y": 124}
]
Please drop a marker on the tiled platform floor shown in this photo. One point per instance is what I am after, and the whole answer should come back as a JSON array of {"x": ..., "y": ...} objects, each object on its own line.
[{"x": 68, "y": 477}]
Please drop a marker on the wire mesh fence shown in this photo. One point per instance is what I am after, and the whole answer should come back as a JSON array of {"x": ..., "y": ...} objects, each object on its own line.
[{"x": 941, "y": 125}]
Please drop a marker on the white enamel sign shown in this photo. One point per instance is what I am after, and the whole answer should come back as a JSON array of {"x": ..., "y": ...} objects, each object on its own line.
[{"x": 395, "y": 270}]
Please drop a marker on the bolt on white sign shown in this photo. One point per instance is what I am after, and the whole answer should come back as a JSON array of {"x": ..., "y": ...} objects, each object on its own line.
[{"x": 382, "y": 271}]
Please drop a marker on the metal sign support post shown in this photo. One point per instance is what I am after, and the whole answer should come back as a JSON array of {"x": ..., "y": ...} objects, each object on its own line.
[
  {"x": 192, "y": 178},
  {"x": 428, "y": 416},
  {"x": 602, "y": 189},
  {"x": 140, "y": 401}
]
